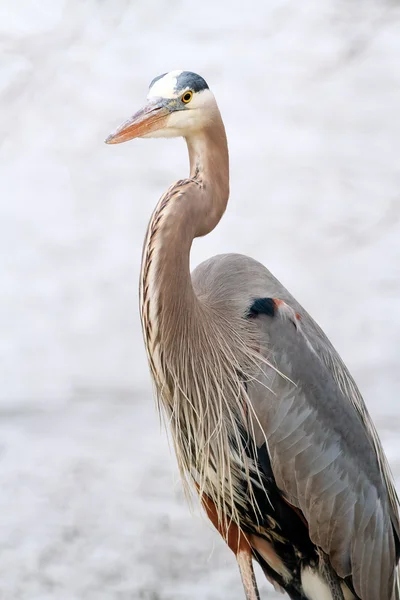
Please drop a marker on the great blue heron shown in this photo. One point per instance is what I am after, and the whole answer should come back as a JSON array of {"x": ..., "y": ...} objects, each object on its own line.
[{"x": 267, "y": 422}]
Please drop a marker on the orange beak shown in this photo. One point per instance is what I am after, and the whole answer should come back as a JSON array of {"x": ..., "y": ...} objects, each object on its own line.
[{"x": 148, "y": 119}]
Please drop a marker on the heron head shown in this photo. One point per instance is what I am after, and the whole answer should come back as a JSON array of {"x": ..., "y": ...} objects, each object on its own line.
[{"x": 179, "y": 103}]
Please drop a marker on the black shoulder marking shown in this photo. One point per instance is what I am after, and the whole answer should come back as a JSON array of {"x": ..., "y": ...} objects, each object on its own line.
[
  {"x": 262, "y": 306},
  {"x": 156, "y": 79},
  {"x": 396, "y": 543},
  {"x": 187, "y": 79}
]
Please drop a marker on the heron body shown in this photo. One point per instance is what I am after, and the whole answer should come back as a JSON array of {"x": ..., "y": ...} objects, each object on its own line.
[{"x": 267, "y": 423}]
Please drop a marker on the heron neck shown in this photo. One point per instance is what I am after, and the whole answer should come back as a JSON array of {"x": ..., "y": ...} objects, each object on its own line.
[
  {"x": 189, "y": 209},
  {"x": 209, "y": 166}
]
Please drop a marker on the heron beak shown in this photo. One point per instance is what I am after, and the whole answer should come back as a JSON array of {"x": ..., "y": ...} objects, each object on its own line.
[{"x": 150, "y": 118}]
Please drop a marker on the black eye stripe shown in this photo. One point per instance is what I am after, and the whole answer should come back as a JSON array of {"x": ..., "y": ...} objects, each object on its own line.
[{"x": 190, "y": 80}]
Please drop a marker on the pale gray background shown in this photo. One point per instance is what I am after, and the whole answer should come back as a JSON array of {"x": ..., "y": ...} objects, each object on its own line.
[{"x": 90, "y": 505}]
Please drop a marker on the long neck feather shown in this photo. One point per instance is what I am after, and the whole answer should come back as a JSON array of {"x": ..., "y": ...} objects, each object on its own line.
[
  {"x": 190, "y": 208},
  {"x": 197, "y": 356}
]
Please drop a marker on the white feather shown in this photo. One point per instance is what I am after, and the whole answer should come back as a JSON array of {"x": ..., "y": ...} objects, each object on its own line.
[
  {"x": 165, "y": 86},
  {"x": 314, "y": 587}
]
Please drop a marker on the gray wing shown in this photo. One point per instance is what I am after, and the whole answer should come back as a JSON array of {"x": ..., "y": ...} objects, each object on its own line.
[
  {"x": 325, "y": 452},
  {"x": 323, "y": 457}
]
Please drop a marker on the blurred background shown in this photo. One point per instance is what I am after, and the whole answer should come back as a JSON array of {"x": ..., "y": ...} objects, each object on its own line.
[{"x": 90, "y": 503}]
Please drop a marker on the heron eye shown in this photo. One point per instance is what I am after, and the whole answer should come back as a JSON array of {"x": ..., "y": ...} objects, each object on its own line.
[{"x": 187, "y": 96}]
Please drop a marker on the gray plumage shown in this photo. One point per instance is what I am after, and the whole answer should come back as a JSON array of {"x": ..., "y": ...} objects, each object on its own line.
[
  {"x": 266, "y": 421},
  {"x": 321, "y": 449}
]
